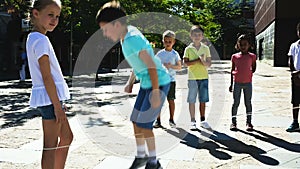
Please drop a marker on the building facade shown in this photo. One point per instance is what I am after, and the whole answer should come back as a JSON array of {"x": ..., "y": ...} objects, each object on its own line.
[{"x": 275, "y": 29}]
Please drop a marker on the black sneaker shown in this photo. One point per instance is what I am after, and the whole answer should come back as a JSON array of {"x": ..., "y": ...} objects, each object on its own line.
[
  {"x": 172, "y": 124},
  {"x": 249, "y": 127},
  {"x": 153, "y": 166},
  {"x": 233, "y": 127},
  {"x": 138, "y": 162},
  {"x": 293, "y": 127},
  {"x": 157, "y": 124}
]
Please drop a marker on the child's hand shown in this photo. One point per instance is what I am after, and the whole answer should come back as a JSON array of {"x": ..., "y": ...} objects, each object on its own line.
[
  {"x": 155, "y": 98},
  {"x": 202, "y": 57},
  {"x": 167, "y": 65},
  {"x": 60, "y": 114},
  {"x": 230, "y": 88},
  {"x": 128, "y": 88}
]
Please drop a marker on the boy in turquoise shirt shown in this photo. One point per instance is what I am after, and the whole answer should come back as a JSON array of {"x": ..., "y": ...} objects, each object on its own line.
[
  {"x": 153, "y": 76},
  {"x": 197, "y": 57}
]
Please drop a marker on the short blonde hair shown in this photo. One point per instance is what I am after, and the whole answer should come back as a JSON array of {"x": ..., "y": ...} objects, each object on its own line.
[{"x": 170, "y": 34}]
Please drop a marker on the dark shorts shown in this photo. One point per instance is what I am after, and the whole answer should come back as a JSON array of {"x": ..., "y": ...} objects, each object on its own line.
[
  {"x": 295, "y": 94},
  {"x": 47, "y": 112},
  {"x": 171, "y": 93},
  {"x": 143, "y": 115}
]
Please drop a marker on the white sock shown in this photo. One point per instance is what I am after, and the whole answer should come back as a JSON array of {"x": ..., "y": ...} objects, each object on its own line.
[
  {"x": 141, "y": 150},
  {"x": 152, "y": 157}
]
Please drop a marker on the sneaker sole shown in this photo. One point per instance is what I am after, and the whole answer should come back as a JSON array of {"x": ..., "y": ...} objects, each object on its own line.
[
  {"x": 294, "y": 130},
  {"x": 140, "y": 165}
]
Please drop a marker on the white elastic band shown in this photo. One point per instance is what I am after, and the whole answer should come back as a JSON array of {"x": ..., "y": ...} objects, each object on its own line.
[{"x": 55, "y": 148}]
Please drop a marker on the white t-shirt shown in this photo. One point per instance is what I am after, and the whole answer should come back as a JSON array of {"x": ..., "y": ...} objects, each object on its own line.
[
  {"x": 171, "y": 57},
  {"x": 38, "y": 45},
  {"x": 295, "y": 53}
]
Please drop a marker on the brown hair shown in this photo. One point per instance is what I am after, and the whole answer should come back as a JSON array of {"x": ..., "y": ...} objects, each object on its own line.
[
  {"x": 111, "y": 11},
  {"x": 298, "y": 26},
  {"x": 42, "y": 4},
  {"x": 196, "y": 28},
  {"x": 243, "y": 37}
]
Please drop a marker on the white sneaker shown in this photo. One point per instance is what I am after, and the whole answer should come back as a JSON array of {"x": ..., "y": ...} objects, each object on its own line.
[
  {"x": 205, "y": 125},
  {"x": 193, "y": 126}
]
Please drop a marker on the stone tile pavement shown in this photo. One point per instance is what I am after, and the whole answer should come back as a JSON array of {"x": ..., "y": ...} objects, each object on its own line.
[{"x": 103, "y": 132}]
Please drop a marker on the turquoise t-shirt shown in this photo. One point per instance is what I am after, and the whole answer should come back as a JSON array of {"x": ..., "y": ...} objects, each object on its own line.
[{"x": 133, "y": 43}]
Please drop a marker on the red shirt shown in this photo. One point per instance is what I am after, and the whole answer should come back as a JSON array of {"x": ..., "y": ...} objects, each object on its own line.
[{"x": 242, "y": 72}]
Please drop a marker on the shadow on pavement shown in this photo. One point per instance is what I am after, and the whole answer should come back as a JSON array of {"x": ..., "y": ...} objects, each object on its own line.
[
  {"x": 228, "y": 143},
  {"x": 17, "y": 85},
  {"x": 196, "y": 142},
  {"x": 14, "y": 101},
  {"x": 237, "y": 146},
  {"x": 274, "y": 140},
  {"x": 17, "y": 118},
  {"x": 13, "y": 104}
]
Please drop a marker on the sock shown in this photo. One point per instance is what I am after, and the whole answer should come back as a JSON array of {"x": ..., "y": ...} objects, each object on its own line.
[
  {"x": 141, "y": 151},
  {"x": 193, "y": 119},
  {"x": 152, "y": 157},
  {"x": 295, "y": 121},
  {"x": 202, "y": 118}
]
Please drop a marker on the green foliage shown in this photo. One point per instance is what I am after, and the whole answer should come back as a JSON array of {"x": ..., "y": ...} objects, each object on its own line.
[{"x": 217, "y": 17}]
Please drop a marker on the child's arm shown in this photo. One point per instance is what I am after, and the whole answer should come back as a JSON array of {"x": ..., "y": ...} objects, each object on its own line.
[
  {"x": 206, "y": 62},
  {"x": 189, "y": 63},
  {"x": 231, "y": 76},
  {"x": 254, "y": 65},
  {"x": 51, "y": 88},
  {"x": 177, "y": 65},
  {"x": 147, "y": 59},
  {"x": 130, "y": 82},
  {"x": 291, "y": 63}
]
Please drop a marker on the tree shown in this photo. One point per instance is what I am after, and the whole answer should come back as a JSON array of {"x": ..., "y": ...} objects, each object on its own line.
[{"x": 219, "y": 18}]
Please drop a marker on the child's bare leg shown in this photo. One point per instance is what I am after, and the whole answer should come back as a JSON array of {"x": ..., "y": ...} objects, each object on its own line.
[
  {"x": 140, "y": 140},
  {"x": 149, "y": 136},
  {"x": 192, "y": 111},
  {"x": 202, "y": 111},
  {"x": 50, "y": 143},
  {"x": 66, "y": 137},
  {"x": 150, "y": 140},
  {"x": 171, "y": 109},
  {"x": 158, "y": 117}
]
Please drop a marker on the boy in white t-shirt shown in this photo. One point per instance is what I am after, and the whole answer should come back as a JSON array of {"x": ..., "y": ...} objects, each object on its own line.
[
  {"x": 294, "y": 62},
  {"x": 171, "y": 60}
]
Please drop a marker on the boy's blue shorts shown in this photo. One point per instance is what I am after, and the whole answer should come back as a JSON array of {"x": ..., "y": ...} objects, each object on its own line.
[
  {"x": 143, "y": 115},
  {"x": 199, "y": 87}
]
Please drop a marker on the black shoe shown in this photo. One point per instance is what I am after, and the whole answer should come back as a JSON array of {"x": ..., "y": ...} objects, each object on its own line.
[
  {"x": 157, "y": 124},
  {"x": 249, "y": 127},
  {"x": 293, "y": 127},
  {"x": 233, "y": 127},
  {"x": 172, "y": 124},
  {"x": 153, "y": 166},
  {"x": 138, "y": 162}
]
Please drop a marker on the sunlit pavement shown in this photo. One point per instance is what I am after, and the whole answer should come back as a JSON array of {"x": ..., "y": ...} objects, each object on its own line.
[{"x": 104, "y": 135}]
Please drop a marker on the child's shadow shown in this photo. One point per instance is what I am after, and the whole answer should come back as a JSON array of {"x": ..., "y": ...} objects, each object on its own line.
[
  {"x": 236, "y": 146},
  {"x": 196, "y": 142},
  {"x": 274, "y": 140}
]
